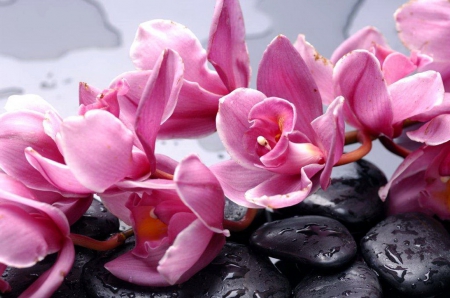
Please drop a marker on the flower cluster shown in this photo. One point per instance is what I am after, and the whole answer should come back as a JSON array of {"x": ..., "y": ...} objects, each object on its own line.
[{"x": 283, "y": 146}]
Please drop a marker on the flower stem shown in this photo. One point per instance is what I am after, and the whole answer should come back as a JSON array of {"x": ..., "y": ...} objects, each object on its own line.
[
  {"x": 237, "y": 226},
  {"x": 162, "y": 175},
  {"x": 359, "y": 153},
  {"x": 112, "y": 242},
  {"x": 393, "y": 147}
]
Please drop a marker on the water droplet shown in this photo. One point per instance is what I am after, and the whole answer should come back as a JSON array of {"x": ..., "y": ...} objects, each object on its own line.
[
  {"x": 285, "y": 230},
  {"x": 398, "y": 272},
  {"x": 233, "y": 271},
  {"x": 347, "y": 293},
  {"x": 392, "y": 254}
]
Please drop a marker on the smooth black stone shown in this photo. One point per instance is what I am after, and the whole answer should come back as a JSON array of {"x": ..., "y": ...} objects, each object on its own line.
[
  {"x": 235, "y": 272},
  {"x": 233, "y": 211},
  {"x": 21, "y": 279},
  {"x": 411, "y": 253},
  {"x": 97, "y": 222},
  {"x": 358, "y": 280},
  {"x": 315, "y": 241},
  {"x": 352, "y": 198}
]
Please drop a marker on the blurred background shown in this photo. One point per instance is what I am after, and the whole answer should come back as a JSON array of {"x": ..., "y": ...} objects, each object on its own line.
[{"x": 48, "y": 46}]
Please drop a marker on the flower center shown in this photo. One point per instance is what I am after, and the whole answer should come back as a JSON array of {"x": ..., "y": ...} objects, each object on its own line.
[{"x": 151, "y": 228}]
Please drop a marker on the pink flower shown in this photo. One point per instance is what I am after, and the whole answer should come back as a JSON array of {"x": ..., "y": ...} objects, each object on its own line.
[
  {"x": 280, "y": 143},
  {"x": 30, "y": 231},
  {"x": 424, "y": 26},
  {"x": 178, "y": 227},
  {"x": 421, "y": 183},
  {"x": 378, "y": 99},
  {"x": 201, "y": 87}
]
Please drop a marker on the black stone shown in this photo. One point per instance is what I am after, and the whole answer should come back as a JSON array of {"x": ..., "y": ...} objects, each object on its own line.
[
  {"x": 235, "y": 272},
  {"x": 97, "y": 222},
  {"x": 357, "y": 280},
  {"x": 411, "y": 253},
  {"x": 314, "y": 241},
  {"x": 352, "y": 198},
  {"x": 21, "y": 279}
]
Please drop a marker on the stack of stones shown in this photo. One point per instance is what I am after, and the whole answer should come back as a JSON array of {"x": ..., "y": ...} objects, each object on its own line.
[{"x": 336, "y": 243}]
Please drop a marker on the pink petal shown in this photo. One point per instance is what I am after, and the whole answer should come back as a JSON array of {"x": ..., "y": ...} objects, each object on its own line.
[
  {"x": 232, "y": 123},
  {"x": 281, "y": 190},
  {"x": 49, "y": 282},
  {"x": 397, "y": 66},
  {"x": 200, "y": 190},
  {"x": 115, "y": 203},
  {"x": 359, "y": 79},
  {"x": 87, "y": 94},
  {"x": 330, "y": 130},
  {"x": 158, "y": 100},
  {"x": 59, "y": 175},
  {"x": 283, "y": 73},
  {"x": 424, "y": 25},
  {"x": 196, "y": 106},
  {"x": 364, "y": 39},
  {"x": 101, "y": 133},
  {"x": 19, "y": 130},
  {"x": 433, "y": 133},
  {"x": 177, "y": 259},
  {"x": 155, "y": 36},
  {"x": 29, "y": 102},
  {"x": 236, "y": 180},
  {"x": 227, "y": 50},
  {"x": 416, "y": 94},
  {"x": 320, "y": 67}
]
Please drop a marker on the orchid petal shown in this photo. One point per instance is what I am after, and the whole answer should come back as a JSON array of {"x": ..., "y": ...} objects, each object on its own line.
[
  {"x": 28, "y": 102},
  {"x": 177, "y": 259},
  {"x": 232, "y": 123},
  {"x": 115, "y": 203},
  {"x": 236, "y": 180},
  {"x": 19, "y": 130},
  {"x": 227, "y": 50},
  {"x": 87, "y": 94},
  {"x": 59, "y": 175},
  {"x": 49, "y": 282},
  {"x": 100, "y": 132},
  {"x": 154, "y": 36},
  {"x": 416, "y": 94},
  {"x": 196, "y": 106},
  {"x": 434, "y": 132},
  {"x": 146, "y": 184},
  {"x": 283, "y": 73},
  {"x": 359, "y": 79},
  {"x": 158, "y": 100},
  {"x": 423, "y": 25},
  {"x": 281, "y": 191},
  {"x": 397, "y": 66},
  {"x": 330, "y": 130},
  {"x": 320, "y": 67},
  {"x": 363, "y": 39},
  {"x": 195, "y": 181}
]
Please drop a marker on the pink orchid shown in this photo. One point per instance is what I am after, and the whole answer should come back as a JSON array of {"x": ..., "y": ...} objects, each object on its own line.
[
  {"x": 280, "y": 142},
  {"x": 167, "y": 221},
  {"x": 378, "y": 105},
  {"x": 201, "y": 87},
  {"x": 30, "y": 231},
  {"x": 423, "y": 25},
  {"x": 421, "y": 183}
]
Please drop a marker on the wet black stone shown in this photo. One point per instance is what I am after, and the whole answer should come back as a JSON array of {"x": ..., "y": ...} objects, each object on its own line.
[
  {"x": 357, "y": 280},
  {"x": 352, "y": 198},
  {"x": 21, "y": 279},
  {"x": 97, "y": 222},
  {"x": 315, "y": 241},
  {"x": 236, "y": 272},
  {"x": 411, "y": 253}
]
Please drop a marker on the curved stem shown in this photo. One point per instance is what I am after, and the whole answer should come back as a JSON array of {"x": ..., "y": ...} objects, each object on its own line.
[
  {"x": 351, "y": 137},
  {"x": 237, "y": 226},
  {"x": 162, "y": 175},
  {"x": 359, "y": 153},
  {"x": 393, "y": 147},
  {"x": 112, "y": 242}
]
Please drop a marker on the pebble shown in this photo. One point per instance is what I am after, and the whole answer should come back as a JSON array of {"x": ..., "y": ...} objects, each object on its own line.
[
  {"x": 352, "y": 198},
  {"x": 357, "y": 280},
  {"x": 235, "y": 272},
  {"x": 315, "y": 241},
  {"x": 97, "y": 222},
  {"x": 411, "y": 253}
]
